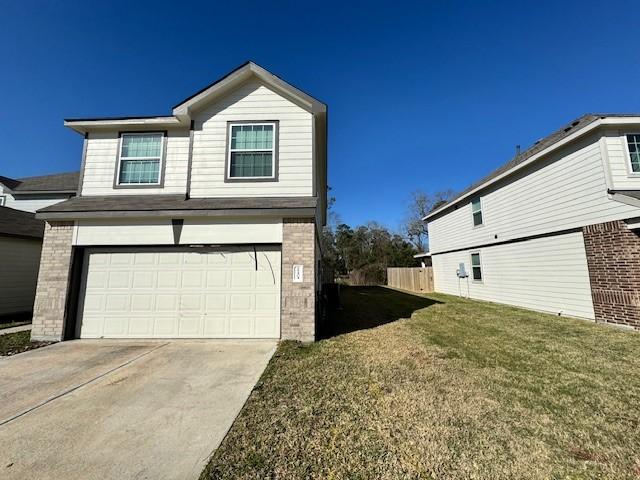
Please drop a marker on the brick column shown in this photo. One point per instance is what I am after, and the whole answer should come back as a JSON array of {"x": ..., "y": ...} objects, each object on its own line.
[
  {"x": 613, "y": 257},
  {"x": 53, "y": 282},
  {"x": 298, "y": 299}
]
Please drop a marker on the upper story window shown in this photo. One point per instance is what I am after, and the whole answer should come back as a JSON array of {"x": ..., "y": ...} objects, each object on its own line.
[
  {"x": 2, "y": 200},
  {"x": 476, "y": 267},
  {"x": 140, "y": 158},
  {"x": 633, "y": 141},
  {"x": 476, "y": 211},
  {"x": 252, "y": 151}
]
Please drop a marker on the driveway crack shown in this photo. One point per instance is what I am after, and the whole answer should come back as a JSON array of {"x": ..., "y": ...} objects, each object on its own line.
[{"x": 73, "y": 389}]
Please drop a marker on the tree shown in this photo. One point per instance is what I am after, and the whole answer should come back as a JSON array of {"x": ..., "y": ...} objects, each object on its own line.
[{"x": 421, "y": 204}]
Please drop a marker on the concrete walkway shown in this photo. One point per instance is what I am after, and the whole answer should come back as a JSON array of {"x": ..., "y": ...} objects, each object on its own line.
[
  {"x": 20, "y": 328},
  {"x": 121, "y": 409}
]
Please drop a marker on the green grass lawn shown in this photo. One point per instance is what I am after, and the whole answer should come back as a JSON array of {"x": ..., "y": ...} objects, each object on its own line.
[
  {"x": 434, "y": 386},
  {"x": 13, "y": 343}
]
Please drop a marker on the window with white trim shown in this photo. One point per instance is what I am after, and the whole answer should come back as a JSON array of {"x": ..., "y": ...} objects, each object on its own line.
[
  {"x": 3, "y": 200},
  {"x": 476, "y": 211},
  {"x": 633, "y": 141},
  {"x": 140, "y": 158},
  {"x": 476, "y": 267},
  {"x": 251, "y": 150}
]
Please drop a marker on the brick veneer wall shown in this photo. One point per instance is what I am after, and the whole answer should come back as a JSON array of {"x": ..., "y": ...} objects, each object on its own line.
[
  {"x": 53, "y": 282},
  {"x": 298, "y": 299},
  {"x": 613, "y": 257}
]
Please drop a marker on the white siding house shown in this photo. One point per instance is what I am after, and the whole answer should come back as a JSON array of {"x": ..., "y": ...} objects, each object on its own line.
[
  {"x": 191, "y": 225},
  {"x": 527, "y": 234}
]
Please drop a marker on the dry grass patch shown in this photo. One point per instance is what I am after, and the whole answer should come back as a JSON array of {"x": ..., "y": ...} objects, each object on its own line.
[{"x": 461, "y": 390}]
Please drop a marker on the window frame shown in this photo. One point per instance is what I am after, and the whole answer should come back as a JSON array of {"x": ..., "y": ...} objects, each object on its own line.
[
  {"x": 161, "y": 166},
  {"x": 274, "y": 149},
  {"x": 473, "y": 221},
  {"x": 473, "y": 279},
  {"x": 630, "y": 172},
  {"x": 3, "y": 200}
]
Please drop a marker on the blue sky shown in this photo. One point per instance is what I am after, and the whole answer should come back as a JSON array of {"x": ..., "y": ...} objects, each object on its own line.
[{"x": 426, "y": 95}]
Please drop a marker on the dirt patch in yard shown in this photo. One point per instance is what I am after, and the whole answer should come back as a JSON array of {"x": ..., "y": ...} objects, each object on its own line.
[{"x": 14, "y": 343}]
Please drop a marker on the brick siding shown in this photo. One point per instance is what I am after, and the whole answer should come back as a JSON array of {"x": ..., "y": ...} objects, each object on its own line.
[
  {"x": 298, "y": 299},
  {"x": 53, "y": 282},
  {"x": 613, "y": 257}
]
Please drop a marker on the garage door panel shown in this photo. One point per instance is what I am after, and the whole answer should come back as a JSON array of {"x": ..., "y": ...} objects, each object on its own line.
[{"x": 170, "y": 294}]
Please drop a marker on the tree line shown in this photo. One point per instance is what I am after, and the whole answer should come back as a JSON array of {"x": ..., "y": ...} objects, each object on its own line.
[{"x": 365, "y": 251}]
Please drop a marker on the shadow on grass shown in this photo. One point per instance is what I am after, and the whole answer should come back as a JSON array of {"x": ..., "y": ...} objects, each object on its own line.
[{"x": 369, "y": 307}]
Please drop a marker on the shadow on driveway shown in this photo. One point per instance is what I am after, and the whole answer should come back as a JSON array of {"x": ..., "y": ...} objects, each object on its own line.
[{"x": 369, "y": 307}]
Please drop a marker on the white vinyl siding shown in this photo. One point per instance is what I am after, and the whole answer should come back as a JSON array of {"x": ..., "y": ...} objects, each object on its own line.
[
  {"x": 548, "y": 274},
  {"x": 562, "y": 192},
  {"x": 253, "y": 102},
  {"x": 102, "y": 159},
  {"x": 223, "y": 231},
  {"x": 622, "y": 175},
  {"x": 20, "y": 260},
  {"x": 230, "y": 292}
]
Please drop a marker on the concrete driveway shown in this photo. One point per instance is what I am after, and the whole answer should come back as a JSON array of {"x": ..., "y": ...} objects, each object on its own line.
[{"x": 122, "y": 409}]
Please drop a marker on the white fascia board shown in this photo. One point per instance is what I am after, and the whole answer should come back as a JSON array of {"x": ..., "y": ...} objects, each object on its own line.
[
  {"x": 83, "y": 126},
  {"x": 607, "y": 121}
]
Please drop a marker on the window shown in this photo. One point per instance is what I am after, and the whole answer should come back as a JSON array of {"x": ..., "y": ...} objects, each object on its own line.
[
  {"x": 2, "y": 200},
  {"x": 476, "y": 267},
  {"x": 252, "y": 151},
  {"x": 633, "y": 141},
  {"x": 140, "y": 158},
  {"x": 476, "y": 211}
]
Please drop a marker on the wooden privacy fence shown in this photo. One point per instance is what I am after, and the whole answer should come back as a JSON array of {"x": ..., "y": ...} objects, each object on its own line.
[{"x": 412, "y": 279}]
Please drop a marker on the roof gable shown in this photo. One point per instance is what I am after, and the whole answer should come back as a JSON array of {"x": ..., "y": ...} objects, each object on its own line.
[{"x": 239, "y": 76}]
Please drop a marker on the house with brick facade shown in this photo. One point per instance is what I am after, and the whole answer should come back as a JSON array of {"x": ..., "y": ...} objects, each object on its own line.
[
  {"x": 556, "y": 229},
  {"x": 199, "y": 224}
]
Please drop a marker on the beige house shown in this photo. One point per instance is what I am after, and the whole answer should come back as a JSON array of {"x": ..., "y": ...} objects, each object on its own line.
[
  {"x": 199, "y": 224},
  {"x": 557, "y": 229}
]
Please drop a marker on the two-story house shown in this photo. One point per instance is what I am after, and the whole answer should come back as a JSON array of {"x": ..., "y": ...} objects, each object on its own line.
[
  {"x": 31, "y": 193},
  {"x": 200, "y": 224},
  {"x": 556, "y": 229}
]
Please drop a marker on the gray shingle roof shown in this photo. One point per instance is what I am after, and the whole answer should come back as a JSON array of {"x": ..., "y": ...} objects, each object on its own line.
[
  {"x": 629, "y": 193},
  {"x": 537, "y": 147},
  {"x": 57, "y": 182},
  {"x": 19, "y": 223},
  {"x": 167, "y": 203}
]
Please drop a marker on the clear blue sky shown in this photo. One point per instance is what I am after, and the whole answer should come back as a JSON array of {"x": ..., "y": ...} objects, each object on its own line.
[{"x": 427, "y": 95}]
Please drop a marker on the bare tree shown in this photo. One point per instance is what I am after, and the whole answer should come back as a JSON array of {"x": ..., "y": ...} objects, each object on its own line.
[{"x": 420, "y": 204}]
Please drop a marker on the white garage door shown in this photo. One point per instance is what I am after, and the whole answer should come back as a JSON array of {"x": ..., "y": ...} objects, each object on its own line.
[{"x": 189, "y": 293}]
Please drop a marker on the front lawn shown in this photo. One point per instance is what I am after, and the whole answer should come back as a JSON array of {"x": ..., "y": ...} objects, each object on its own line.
[{"x": 461, "y": 390}]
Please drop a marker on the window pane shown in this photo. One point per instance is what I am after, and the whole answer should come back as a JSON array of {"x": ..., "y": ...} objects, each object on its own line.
[
  {"x": 477, "y": 273},
  {"x": 253, "y": 164},
  {"x": 475, "y": 205},
  {"x": 252, "y": 137},
  {"x": 143, "y": 145},
  {"x": 475, "y": 259},
  {"x": 477, "y": 218},
  {"x": 139, "y": 171},
  {"x": 633, "y": 141}
]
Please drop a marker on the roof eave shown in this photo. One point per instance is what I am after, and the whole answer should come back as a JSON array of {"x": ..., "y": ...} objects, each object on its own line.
[
  {"x": 84, "y": 125},
  {"x": 570, "y": 138}
]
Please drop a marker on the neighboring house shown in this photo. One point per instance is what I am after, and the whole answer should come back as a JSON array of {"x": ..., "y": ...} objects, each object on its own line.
[
  {"x": 20, "y": 244},
  {"x": 200, "y": 224},
  {"x": 424, "y": 259},
  {"x": 555, "y": 229},
  {"x": 32, "y": 193}
]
